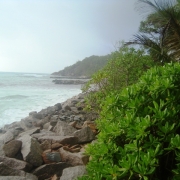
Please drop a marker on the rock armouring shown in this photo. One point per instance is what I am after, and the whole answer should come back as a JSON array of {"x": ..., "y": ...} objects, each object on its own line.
[
  {"x": 48, "y": 144},
  {"x": 70, "y": 81}
]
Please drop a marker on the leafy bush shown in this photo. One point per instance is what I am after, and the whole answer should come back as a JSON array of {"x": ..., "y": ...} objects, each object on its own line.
[
  {"x": 124, "y": 68},
  {"x": 140, "y": 130}
]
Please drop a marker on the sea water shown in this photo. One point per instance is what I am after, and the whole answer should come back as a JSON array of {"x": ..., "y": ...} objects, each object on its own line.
[{"x": 21, "y": 93}]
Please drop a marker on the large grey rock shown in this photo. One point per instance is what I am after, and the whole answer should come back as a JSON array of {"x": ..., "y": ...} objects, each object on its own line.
[
  {"x": 31, "y": 177},
  {"x": 72, "y": 173},
  {"x": 59, "y": 106},
  {"x": 51, "y": 157},
  {"x": 28, "y": 177},
  {"x": 59, "y": 139},
  {"x": 46, "y": 125},
  {"x": 31, "y": 150},
  {"x": 7, "y": 171},
  {"x": 1, "y": 147},
  {"x": 73, "y": 159},
  {"x": 12, "y": 148},
  {"x": 43, "y": 133},
  {"x": 34, "y": 114},
  {"x": 30, "y": 132},
  {"x": 8, "y": 136},
  {"x": 84, "y": 135},
  {"x": 63, "y": 129},
  {"x": 27, "y": 123},
  {"x": 16, "y": 164},
  {"x": 12, "y": 178},
  {"x": 48, "y": 111},
  {"x": 14, "y": 125},
  {"x": 46, "y": 171},
  {"x": 67, "y": 108}
]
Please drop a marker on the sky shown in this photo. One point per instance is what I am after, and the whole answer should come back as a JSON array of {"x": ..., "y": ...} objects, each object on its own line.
[{"x": 44, "y": 36}]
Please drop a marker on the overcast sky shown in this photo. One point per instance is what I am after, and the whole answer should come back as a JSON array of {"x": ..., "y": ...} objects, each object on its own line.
[{"x": 44, "y": 36}]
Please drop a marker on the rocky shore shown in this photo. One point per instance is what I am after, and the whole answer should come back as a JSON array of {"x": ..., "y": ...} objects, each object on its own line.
[
  {"x": 49, "y": 144},
  {"x": 70, "y": 81}
]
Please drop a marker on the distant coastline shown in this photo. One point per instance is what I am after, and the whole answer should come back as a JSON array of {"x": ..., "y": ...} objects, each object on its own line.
[{"x": 70, "y": 80}]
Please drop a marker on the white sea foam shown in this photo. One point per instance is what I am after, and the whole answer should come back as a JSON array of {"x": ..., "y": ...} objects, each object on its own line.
[{"x": 20, "y": 95}]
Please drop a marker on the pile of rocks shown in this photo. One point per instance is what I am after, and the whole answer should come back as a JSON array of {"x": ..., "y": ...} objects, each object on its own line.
[
  {"x": 48, "y": 145},
  {"x": 70, "y": 81}
]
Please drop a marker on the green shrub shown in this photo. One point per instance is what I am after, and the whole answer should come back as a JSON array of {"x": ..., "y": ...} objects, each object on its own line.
[
  {"x": 123, "y": 69},
  {"x": 140, "y": 130}
]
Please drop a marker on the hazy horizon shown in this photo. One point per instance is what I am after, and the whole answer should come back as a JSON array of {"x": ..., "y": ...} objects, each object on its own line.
[{"x": 42, "y": 36}]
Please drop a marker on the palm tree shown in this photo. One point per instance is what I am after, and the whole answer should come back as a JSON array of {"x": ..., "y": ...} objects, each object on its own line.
[{"x": 160, "y": 32}]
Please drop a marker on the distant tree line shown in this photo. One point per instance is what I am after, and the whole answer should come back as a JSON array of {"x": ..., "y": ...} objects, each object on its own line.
[{"x": 87, "y": 67}]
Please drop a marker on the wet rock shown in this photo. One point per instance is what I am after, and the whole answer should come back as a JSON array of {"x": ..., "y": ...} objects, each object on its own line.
[
  {"x": 46, "y": 125},
  {"x": 43, "y": 133},
  {"x": 53, "y": 122},
  {"x": 13, "y": 125},
  {"x": 27, "y": 123},
  {"x": 58, "y": 105},
  {"x": 67, "y": 108},
  {"x": 39, "y": 123},
  {"x": 12, "y": 178},
  {"x": 73, "y": 159},
  {"x": 5, "y": 171},
  {"x": 1, "y": 148},
  {"x": 84, "y": 135},
  {"x": 51, "y": 157},
  {"x": 27, "y": 177},
  {"x": 63, "y": 129},
  {"x": 30, "y": 132},
  {"x": 8, "y": 136},
  {"x": 59, "y": 139},
  {"x": 72, "y": 173},
  {"x": 31, "y": 150},
  {"x": 12, "y": 148},
  {"x": 34, "y": 114},
  {"x": 48, "y": 170},
  {"x": 48, "y": 111},
  {"x": 16, "y": 164}
]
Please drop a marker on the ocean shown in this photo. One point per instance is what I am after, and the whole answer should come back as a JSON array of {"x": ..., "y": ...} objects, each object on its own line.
[{"x": 21, "y": 93}]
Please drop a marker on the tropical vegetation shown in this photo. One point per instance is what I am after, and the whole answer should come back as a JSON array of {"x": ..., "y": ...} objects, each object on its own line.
[
  {"x": 123, "y": 69},
  {"x": 139, "y": 130},
  {"x": 160, "y": 32},
  {"x": 87, "y": 67},
  {"x": 139, "y": 116}
]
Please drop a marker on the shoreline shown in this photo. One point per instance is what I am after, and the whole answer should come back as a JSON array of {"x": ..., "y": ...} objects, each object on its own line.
[
  {"x": 62, "y": 130},
  {"x": 67, "y": 101},
  {"x": 17, "y": 105}
]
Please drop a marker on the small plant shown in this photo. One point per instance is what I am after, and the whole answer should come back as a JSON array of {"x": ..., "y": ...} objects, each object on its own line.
[{"x": 139, "y": 128}]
